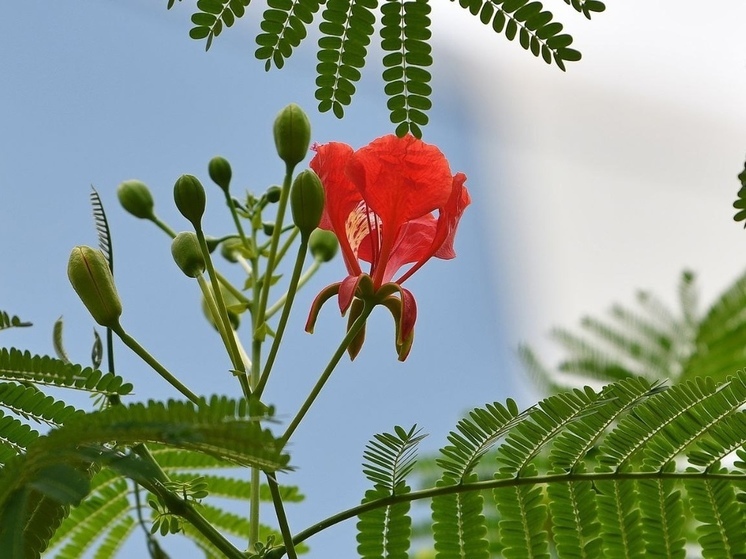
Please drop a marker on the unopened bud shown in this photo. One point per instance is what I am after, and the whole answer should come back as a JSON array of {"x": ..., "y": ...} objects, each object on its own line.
[
  {"x": 91, "y": 279},
  {"x": 273, "y": 194},
  {"x": 323, "y": 245},
  {"x": 307, "y": 202},
  {"x": 292, "y": 132},
  {"x": 187, "y": 254},
  {"x": 135, "y": 197},
  {"x": 220, "y": 172},
  {"x": 189, "y": 195},
  {"x": 268, "y": 227}
]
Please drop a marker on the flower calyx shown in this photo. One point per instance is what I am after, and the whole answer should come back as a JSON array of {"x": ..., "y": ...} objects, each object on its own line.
[{"x": 357, "y": 294}]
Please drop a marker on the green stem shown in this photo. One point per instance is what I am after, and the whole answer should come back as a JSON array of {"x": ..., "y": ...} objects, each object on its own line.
[
  {"x": 176, "y": 505},
  {"x": 163, "y": 227},
  {"x": 495, "y": 484},
  {"x": 131, "y": 343},
  {"x": 230, "y": 341},
  {"x": 272, "y": 257},
  {"x": 239, "y": 228},
  {"x": 256, "y": 356},
  {"x": 282, "y": 519},
  {"x": 290, "y": 295},
  {"x": 307, "y": 275},
  {"x": 285, "y": 246},
  {"x": 352, "y": 332}
]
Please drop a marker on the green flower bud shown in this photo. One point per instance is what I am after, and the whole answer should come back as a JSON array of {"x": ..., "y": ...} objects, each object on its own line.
[
  {"x": 273, "y": 194},
  {"x": 230, "y": 300},
  {"x": 189, "y": 195},
  {"x": 323, "y": 245},
  {"x": 268, "y": 227},
  {"x": 292, "y": 132},
  {"x": 187, "y": 254},
  {"x": 91, "y": 279},
  {"x": 220, "y": 172},
  {"x": 135, "y": 197},
  {"x": 307, "y": 202}
]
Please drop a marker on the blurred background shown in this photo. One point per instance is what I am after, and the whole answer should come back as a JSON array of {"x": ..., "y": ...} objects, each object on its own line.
[{"x": 586, "y": 186}]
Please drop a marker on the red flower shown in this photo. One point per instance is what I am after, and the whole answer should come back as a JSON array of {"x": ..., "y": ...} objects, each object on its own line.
[{"x": 380, "y": 201}]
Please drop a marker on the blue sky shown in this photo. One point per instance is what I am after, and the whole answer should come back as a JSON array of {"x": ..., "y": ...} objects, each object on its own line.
[{"x": 95, "y": 93}]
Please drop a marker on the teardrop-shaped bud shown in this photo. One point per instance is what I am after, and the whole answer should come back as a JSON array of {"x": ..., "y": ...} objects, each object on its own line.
[
  {"x": 273, "y": 194},
  {"x": 91, "y": 279},
  {"x": 323, "y": 245},
  {"x": 135, "y": 197},
  {"x": 189, "y": 196},
  {"x": 220, "y": 172},
  {"x": 187, "y": 254},
  {"x": 307, "y": 202},
  {"x": 292, "y": 131}
]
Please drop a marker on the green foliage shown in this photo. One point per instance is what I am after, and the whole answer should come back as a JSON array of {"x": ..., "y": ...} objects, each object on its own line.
[
  {"x": 83, "y": 464},
  {"x": 22, "y": 367},
  {"x": 346, "y": 30},
  {"x": 649, "y": 340},
  {"x": 8, "y": 321},
  {"x": 212, "y": 15},
  {"x": 389, "y": 458},
  {"x": 611, "y": 473}
]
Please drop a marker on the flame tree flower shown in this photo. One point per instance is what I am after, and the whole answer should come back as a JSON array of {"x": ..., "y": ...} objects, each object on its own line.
[{"x": 380, "y": 203}]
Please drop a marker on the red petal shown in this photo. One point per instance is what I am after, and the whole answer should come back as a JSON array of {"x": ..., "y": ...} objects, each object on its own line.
[
  {"x": 342, "y": 196},
  {"x": 408, "y": 314},
  {"x": 327, "y": 293},
  {"x": 400, "y": 178},
  {"x": 347, "y": 292},
  {"x": 450, "y": 216}
]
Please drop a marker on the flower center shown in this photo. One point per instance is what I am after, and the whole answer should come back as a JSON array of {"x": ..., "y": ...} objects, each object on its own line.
[{"x": 360, "y": 224}]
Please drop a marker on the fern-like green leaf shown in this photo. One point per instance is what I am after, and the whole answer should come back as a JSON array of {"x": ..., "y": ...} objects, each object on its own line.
[
  {"x": 721, "y": 517},
  {"x": 572, "y": 445},
  {"x": 575, "y": 526},
  {"x": 102, "y": 228},
  {"x": 115, "y": 538},
  {"x": 459, "y": 525},
  {"x": 587, "y": 7},
  {"x": 8, "y": 321},
  {"x": 384, "y": 532},
  {"x": 527, "y": 20},
  {"x": 650, "y": 341},
  {"x": 284, "y": 27},
  {"x": 524, "y": 515},
  {"x": 15, "y": 437},
  {"x": 390, "y": 457},
  {"x": 94, "y": 517},
  {"x": 212, "y": 15},
  {"x": 22, "y": 367},
  {"x": 57, "y": 341},
  {"x": 719, "y": 339},
  {"x": 542, "y": 424},
  {"x": 30, "y": 403},
  {"x": 662, "y": 516},
  {"x": 723, "y": 438},
  {"x": 667, "y": 423},
  {"x": 740, "y": 203},
  {"x": 476, "y": 435},
  {"x": 619, "y": 518},
  {"x": 405, "y": 33},
  {"x": 346, "y": 29}
]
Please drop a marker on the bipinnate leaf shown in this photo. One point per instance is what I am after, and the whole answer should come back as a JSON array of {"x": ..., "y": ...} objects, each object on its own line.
[
  {"x": 8, "y": 321},
  {"x": 22, "y": 367}
]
